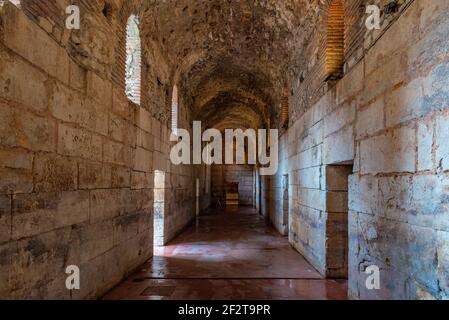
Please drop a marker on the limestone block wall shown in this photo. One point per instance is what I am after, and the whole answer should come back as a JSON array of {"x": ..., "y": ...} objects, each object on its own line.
[
  {"x": 398, "y": 194},
  {"x": 265, "y": 197},
  {"x": 257, "y": 191},
  {"x": 316, "y": 204},
  {"x": 77, "y": 162},
  {"x": 387, "y": 118},
  {"x": 278, "y": 207}
]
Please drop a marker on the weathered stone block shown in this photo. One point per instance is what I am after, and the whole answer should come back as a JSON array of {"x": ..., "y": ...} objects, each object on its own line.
[
  {"x": 38, "y": 259},
  {"x": 394, "y": 151},
  {"x": 339, "y": 147},
  {"x": 32, "y": 93},
  {"x": 92, "y": 240},
  {"x": 65, "y": 103},
  {"x": 145, "y": 140},
  {"x": 94, "y": 175},
  {"x": 311, "y": 236},
  {"x": 54, "y": 173},
  {"x": 308, "y": 158},
  {"x": 113, "y": 258},
  {"x": 425, "y": 145},
  {"x": 443, "y": 263},
  {"x": 312, "y": 198},
  {"x": 404, "y": 103},
  {"x": 363, "y": 194},
  {"x": 351, "y": 84},
  {"x": 353, "y": 254},
  {"x": 104, "y": 204},
  {"x": 121, "y": 130},
  {"x": 117, "y": 153},
  {"x": 309, "y": 178},
  {"x": 69, "y": 106},
  {"x": 126, "y": 227},
  {"x": 370, "y": 119},
  {"x": 7, "y": 251},
  {"x": 376, "y": 83},
  {"x": 93, "y": 281},
  {"x": 435, "y": 86},
  {"x": 339, "y": 118},
  {"x": 159, "y": 161},
  {"x": 79, "y": 143},
  {"x": 41, "y": 212},
  {"x": 144, "y": 120},
  {"x": 78, "y": 76},
  {"x": 442, "y": 145},
  {"x": 141, "y": 180},
  {"x": 15, "y": 181},
  {"x": 99, "y": 89},
  {"x": 120, "y": 177},
  {"x": 19, "y": 128},
  {"x": 309, "y": 138},
  {"x": 143, "y": 160},
  {"x": 146, "y": 220},
  {"x": 432, "y": 47},
  {"x": 421, "y": 200},
  {"x": 400, "y": 35},
  {"x": 5, "y": 219},
  {"x": 23, "y": 36},
  {"x": 16, "y": 159},
  {"x": 156, "y": 129},
  {"x": 406, "y": 247},
  {"x": 138, "y": 200},
  {"x": 120, "y": 104}
]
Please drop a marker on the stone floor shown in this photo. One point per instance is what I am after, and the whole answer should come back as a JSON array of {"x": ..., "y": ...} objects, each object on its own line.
[{"x": 228, "y": 254}]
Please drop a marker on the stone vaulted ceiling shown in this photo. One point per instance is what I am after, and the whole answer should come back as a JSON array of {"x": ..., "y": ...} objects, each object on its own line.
[{"x": 230, "y": 57}]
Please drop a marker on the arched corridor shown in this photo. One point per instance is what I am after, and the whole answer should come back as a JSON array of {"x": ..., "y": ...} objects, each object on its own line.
[{"x": 224, "y": 149}]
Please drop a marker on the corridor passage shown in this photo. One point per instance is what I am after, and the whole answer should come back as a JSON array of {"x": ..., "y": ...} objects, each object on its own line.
[{"x": 228, "y": 254}]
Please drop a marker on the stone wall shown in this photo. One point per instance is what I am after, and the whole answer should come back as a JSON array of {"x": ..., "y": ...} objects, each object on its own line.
[
  {"x": 77, "y": 162},
  {"x": 398, "y": 194},
  {"x": 241, "y": 174},
  {"x": 388, "y": 119},
  {"x": 279, "y": 192}
]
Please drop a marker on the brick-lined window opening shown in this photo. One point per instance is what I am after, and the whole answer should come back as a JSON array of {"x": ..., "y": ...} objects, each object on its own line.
[
  {"x": 174, "y": 111},
  {"x": 133, "y": 60},
  {"x": 284, "y": 114},
  {"x": 14, "y": 2},
  {"x": 335, "y": 49}
]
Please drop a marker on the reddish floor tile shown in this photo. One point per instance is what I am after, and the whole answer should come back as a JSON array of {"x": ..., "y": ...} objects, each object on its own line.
[{"x": 228, "y": 254}]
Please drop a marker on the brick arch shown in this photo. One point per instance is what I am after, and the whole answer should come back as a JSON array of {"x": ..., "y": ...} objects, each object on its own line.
[
  {"x": 335, "y": 40},
  {"x": 133, "y": 60},
  {"x": 354, "y": 27},
  {"x": 118, "y": 75}
]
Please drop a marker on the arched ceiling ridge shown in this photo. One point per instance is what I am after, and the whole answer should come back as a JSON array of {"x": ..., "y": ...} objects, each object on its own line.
[{"x": 239, "y": 49}]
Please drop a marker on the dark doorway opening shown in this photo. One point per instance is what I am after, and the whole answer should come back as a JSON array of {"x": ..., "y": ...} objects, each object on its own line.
[{"x": 337, "y": 177}]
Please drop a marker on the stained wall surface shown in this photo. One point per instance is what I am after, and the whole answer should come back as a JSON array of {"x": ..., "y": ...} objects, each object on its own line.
[
  {"x": 387, "y": 119},
  {"x": 77, "y": 164}
]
